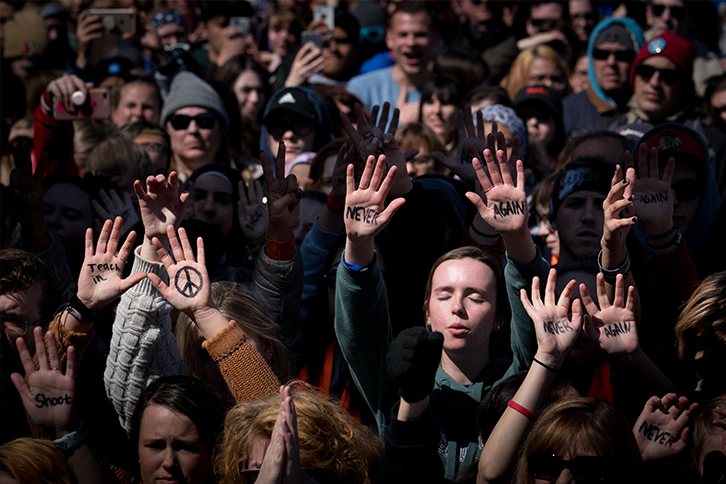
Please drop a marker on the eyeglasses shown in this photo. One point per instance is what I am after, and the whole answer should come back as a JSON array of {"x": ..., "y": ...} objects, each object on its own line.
[
  {"x": 13, "y": 325},
  {"x": 678, "y": 13},
  {"x": 554, "y": 81},
  {"x": 299, "y": 127},
  {"x": 182, "y": 121},
  {"x": 620, "y": 55},
  {"x": 668, "y": 76},
  {"x": 686, "y": 190},
  {"x": 589, "y": 469}
]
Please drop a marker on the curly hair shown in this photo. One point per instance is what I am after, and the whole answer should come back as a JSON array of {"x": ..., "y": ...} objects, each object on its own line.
[
  {"x": 19, "y": 270},
  {"x": 331, "y": 442}
]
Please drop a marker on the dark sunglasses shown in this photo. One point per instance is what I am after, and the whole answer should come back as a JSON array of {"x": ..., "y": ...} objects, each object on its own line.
[
  {"x": 678, "y": 13},
  {"x": 686, "y": 190},
  {"x": 548, "y": 467},
  {"x": 373, "y": 34},
  {"x": 299, "y": 127},
  {"x": 620, "y": 55},
  {"x": 182, "y": 121},
  {"x": 668, "y": 76}
]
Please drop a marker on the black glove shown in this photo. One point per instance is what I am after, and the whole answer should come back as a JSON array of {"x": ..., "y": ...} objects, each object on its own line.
[{"x": 413, "y": 359}]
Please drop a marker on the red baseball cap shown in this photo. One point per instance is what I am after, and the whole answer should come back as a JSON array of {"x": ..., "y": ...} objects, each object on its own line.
[{"x": 670, "y": 45}]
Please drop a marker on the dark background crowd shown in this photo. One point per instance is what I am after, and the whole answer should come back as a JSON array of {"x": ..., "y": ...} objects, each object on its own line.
[{"x": 221, "y": 221}]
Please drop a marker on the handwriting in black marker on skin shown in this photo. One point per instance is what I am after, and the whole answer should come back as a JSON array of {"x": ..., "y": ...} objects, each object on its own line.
[
  {"x": 616, "y": 329},
  {"x": 505, "y": 209},
  {"x": 254, "y": 218},
  {"x": 654, "y": 198},
  {"x": 557, "y": 327},
  {"x": 43, "y": 401},
  {"x": 362, "y": 214},
  {"x": 101, "y": 268},
  {"x": 188, "y": 281},
  {"x": 653, "y": 433}
]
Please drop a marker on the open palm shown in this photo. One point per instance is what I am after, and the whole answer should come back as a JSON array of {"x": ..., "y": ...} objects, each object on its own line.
[{"x": 611, "y": 326}]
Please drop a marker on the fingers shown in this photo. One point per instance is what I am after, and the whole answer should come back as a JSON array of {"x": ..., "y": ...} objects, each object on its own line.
[
  {"x": 115, "y": 235},
  {"x": 186, "y": 246},
  {"x": 40, "y": 349},
  {"x": 280, "y": 161},
  {"x": 363, "y": 125},
  {"x": 642, "y": 161},
  {"x": 367, "y": 173},
  {"x": 469, "y": 122},
  {"x": 566, "y": 295},
  {"x": 157, "y": 282},
  {"x": 630, "y": 302},
  {"x": 619, "y": 299},
  {"x": 514, "y": 155},
  {"x": 378, "y": 173},
  {"x": 527, "y": 305},
  {"x": 388, "y": 181},
  {"x": 550, "y": 288},
  {"x": 266, "y": 169},
  {"x": 391, "y": 210},
  {"x": 502, "y": 145},
  {"x": 123, "y": 254},
  {"x": 131, "y": 281},
  {"x": 493, "y": 169},
  {"x": 602, "y": 297},
  {"x": 349, "y": 180},
  {"x": 103, "y": 238},
  {"x": 535, "y": 293},
  {"x": 577, "y": 319},
  {"x": 393, "y": 126},
  {"x": 668, "y": 173},
  {"x": 653, "y": 165},
  {"x": 89, "y": 243},
  {"x": 383, "y": 121},
  {"x": 71, "y": 362},
  {"x": 520, "y": 174},
  {"x": 53, "y": 357},
  {"x": 482, "y": 175},
  {"x": 590, "y": 305},
  {"x": 504, "y": 168}
]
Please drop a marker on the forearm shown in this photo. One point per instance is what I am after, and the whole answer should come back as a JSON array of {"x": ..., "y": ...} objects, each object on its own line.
[
  {"x": 505, "y": 439},
  {"x": 359, "y": 250},
  {"x": 519, "y": 246},
  {"x": 411, "y": 410},
  {"x": 88, "y": 466}
]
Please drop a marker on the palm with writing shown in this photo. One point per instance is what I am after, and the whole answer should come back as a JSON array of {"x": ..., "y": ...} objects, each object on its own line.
[
  {"x": 661, "y": 428},
  {"x": 364, "y": 212},
  {"x": 48, "y": 395},
  {"x": 505, "y": 209},
  {"x": 189, "y": 286},
  {"x": 653, "y": 198},
  {"x": 100, "y": 280},
  {"x": 283, "y": 197},
  {"x": 161, "y": 205},
  {"x": 252, "y": 211},
  {"x": 612, "y": 326},
  {"x": 556, "y": 333}
]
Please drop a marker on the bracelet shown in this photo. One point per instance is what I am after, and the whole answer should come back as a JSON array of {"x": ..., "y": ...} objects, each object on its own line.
[
  {"x": 664, "y": 248},
  {"x": 611, "y": 275},
  {"x": 546, "y": 366},
  {"x": 73, "y": 440},
  {"x": 518, "y": 408},
  {"x": 479, "y": 232},
  {"x": 663, "y": 235},
  {"x": 80, "y": 309},
  {"x": 335, "y": 203}
]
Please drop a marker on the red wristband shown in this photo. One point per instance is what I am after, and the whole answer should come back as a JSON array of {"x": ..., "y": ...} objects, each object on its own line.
[
  {"x": 518, "y": 408},
  {"x": 335, "y": 203}
]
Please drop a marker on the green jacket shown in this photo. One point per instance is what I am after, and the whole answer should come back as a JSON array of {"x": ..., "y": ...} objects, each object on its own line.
[{"x": 363, "y": 329}]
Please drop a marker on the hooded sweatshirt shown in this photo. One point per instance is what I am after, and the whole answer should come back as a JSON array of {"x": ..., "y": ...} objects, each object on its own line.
[{"x": 593, "y": 109}]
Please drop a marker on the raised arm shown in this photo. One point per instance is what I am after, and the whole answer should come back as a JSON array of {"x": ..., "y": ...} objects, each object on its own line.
[
  {"x": 362, "y": 323},
  {"x": 143, "y": 346},
  {"x": 661, "y": 430},
  {"x": 556, "y": 334}
]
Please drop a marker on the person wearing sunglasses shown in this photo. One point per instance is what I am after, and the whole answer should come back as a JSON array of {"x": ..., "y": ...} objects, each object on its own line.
[
  {"x": 196, "y": 121},
  {"x": 297, "y": 116},
  {"x": 665, "y": 15},
  {"x": 613, "y": 45}
]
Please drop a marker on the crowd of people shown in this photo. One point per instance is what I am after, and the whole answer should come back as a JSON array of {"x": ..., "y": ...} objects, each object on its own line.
[{"x": 300, "y": 242}]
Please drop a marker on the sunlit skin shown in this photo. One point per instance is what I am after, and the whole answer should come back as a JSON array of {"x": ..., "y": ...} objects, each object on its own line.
[
  {"x": 193, "y": 147},
  {"x": 463, "y": 308},
  {"x": 137, "y": 102},
  {"x": 582, "y": 18},
  {"x": 25, "y": 305},
  {"x": 665, "y": 22},
  {"x": 545, "y": 73},
  {"x": 171, "y": 448},
  {"x": 658, "y": 99},
  {"x": 611, "y": 75},
  {"x": 579, "y": 224},
  {"x": 411, "y": 38}
]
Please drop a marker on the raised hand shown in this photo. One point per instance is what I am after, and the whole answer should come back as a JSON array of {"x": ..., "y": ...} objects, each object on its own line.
[
  {"x": 611, "y": 326},
  {"x": 365, "y": 215},
  {"x": 283, "y": 197},
  {"x": 26, "y": 201},
  {"x": 100, "y": 281},
  {"x": 618, "y": 218},
  {"x": 161, "y": 207},
  {"x": 653, "y": 199},
  {"x": 114, "y": 206},
  {"x": 412, "y": 361},
  {"x": 63, "y": 88},
  {"x": 371, "y": 139},
  {"x": 252, "y": 210},
  {"x": 505, "y": 209},
  {"x": 189, "y": 288},
  {"x": 661, "y": 428},
  {"x": 556, "y": 333},
  {"x": 308, "y": 61},
  {"x": 48, "y": 395},
  {"x": 409, "y": 111},
  {"x": 89, "y": 29}
]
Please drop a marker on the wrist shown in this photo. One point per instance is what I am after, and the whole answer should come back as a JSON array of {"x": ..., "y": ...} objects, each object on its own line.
[
  {"x": 550, "y": 362},
  {"x": 659, "y": 229},
  {"x": 359, "y": 250},
  {"x": 627, "y": 357},
  {"x": 280, "y": 234}
]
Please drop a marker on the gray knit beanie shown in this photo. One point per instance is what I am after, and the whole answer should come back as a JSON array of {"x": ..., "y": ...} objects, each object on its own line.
[{"x": 187, "y": 89}]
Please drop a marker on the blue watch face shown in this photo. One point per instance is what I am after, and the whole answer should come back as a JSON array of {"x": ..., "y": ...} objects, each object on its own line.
[{"x": 657, "y": 46}]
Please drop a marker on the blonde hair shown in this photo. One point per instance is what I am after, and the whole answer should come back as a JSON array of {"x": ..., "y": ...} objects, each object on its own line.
[
  {"x": 330, "y": 440},
  {"x": 238, "y": 304},
  {"x": 119, "y": 155},
  {"x": 704, "y": 314},
  {"x": 33, "y": 461},
  {"x": 564, "y": 424},
  {"x": 518, "y": 75},
  {"x": 89, "y": 133}
]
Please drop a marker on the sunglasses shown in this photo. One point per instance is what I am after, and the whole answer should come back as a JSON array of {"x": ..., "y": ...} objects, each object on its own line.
[
  {"x": 373, "y": 34},
  {"x": 299, "y": 127},
  {"x": 686, "y": 190},
  {"x": 548, "y": 467},
  {"x": 678, "y": 13},
  {"x": 620, "y": 55},
  {"x": 182, "y": 121},
  {"x": 668, "y": 76}
]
